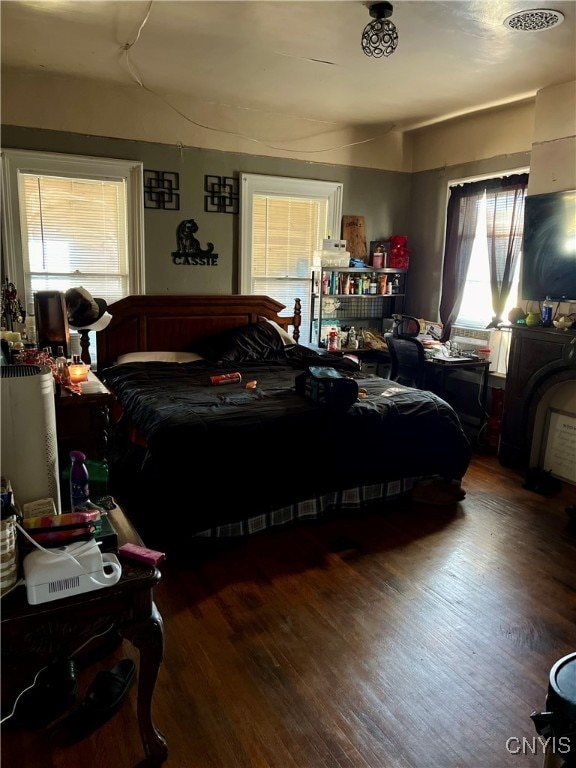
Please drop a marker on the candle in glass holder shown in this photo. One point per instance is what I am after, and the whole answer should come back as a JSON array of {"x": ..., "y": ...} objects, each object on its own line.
[{"x": 78, "y": 371}]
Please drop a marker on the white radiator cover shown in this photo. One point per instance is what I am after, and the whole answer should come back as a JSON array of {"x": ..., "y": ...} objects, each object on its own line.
[{"x": 29, "y": 448}]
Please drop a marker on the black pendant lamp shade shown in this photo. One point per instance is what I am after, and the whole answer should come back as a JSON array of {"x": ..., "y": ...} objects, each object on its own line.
[{"x": 380, "y": 37}]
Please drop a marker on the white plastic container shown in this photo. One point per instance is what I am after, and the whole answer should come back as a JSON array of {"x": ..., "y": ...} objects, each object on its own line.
[
  {"x": 52, "y": 574},
  {"x": 331, "y": 259},
  {"x": 334, "y": 246}
]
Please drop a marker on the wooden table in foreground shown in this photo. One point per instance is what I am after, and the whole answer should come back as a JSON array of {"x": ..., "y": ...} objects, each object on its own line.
[{"x": 61, "y": 626}]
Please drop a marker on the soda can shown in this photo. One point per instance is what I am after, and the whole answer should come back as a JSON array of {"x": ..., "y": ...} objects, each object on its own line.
[{"x": 226, "y": 378}]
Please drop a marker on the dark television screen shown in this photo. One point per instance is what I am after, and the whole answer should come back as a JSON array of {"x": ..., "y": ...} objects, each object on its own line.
[{"x": 549, "y": 247}]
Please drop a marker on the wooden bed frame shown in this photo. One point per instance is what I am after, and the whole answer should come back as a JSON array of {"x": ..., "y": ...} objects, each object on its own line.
[{"x": 173, "y": 323}]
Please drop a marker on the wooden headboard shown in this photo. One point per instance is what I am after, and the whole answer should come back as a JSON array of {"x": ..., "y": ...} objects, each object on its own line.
[{"x": 173, "y": 323}]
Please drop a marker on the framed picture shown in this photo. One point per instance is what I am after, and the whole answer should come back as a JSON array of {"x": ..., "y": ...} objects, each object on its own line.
[
  {"x": 559, "y": 445},
  {"x": 379, "y": 253}
]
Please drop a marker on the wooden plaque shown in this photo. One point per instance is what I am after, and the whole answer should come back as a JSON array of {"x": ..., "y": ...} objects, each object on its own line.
[{"x": 353, "y": 231}]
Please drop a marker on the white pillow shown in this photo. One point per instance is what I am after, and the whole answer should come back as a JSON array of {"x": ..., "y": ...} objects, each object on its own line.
[
  {"x": 284, "y": 335},
  {"x": 158, "y": 357}
]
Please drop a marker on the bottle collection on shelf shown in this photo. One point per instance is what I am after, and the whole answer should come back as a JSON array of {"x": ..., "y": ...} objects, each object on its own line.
[
  {"x": 356, "y": 287},
  {"x": 344, "y": 339},
  {"x": 369, "y": 284}
]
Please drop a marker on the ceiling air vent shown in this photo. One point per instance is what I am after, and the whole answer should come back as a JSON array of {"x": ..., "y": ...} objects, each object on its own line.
[{"x": 534, "y": 20}]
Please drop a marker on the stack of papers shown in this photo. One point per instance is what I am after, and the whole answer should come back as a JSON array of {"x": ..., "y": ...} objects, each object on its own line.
[
  {"x": 429, "y": 343},
  {"x": 440, "y": 358}
]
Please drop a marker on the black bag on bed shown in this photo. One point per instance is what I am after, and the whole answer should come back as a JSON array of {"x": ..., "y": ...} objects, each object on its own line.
[{"x": 328, "y": 387}]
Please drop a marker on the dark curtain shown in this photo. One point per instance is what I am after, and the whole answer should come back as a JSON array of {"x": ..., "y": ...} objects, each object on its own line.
[
  {"x": 462, "y": 217},
  {"x": 505, "y": 219},
  {"x": 505, "y": 225}
]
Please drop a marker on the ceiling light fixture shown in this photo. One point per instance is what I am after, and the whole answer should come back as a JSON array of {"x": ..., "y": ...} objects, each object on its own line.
[
  {"x": 534, "y": 20},
  {"x": 380, "y": 37}
]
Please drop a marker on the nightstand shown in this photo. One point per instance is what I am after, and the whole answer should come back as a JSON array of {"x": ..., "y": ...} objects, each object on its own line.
[
  {"x": 32, "y": 635},
  {"x": 82, "y": 422}
]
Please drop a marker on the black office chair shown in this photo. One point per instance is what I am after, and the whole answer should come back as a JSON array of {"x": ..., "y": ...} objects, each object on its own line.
[
  {"x": 407, "y": 360},
  {"x": 405, "y": 325}
]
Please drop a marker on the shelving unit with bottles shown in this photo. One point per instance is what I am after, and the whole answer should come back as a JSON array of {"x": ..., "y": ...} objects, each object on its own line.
[{"x": 336, "y": 299}]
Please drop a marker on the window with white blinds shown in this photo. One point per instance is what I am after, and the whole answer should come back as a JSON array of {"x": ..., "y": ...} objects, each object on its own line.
[
  {"x": 286, "y": 232},
  {"x": 284, "y": 220},
  {"x": 73, "y": 221},
  {"x": 75, "y": 235}
]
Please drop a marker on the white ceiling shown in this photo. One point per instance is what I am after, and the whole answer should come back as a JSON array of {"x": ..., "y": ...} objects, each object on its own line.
[{"x": 299, "y": 58}]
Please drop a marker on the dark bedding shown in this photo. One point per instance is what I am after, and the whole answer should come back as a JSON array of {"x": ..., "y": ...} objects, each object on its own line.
[{"x": 225, "y": 451}]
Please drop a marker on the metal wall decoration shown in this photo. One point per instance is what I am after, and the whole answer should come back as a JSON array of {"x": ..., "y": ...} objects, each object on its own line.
[
  {"x": 221, "y": 194},
  {"x": 189, "y": 251},
  {"x": 161, "y": 190}
]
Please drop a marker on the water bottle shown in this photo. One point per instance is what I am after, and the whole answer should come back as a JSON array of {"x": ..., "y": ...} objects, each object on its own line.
[
  {"x": 62, "y": 367},
  {"x": 546, "y": 313},
  {"x": 352, "y": 340},
  {"x": 79, "y": 488}
]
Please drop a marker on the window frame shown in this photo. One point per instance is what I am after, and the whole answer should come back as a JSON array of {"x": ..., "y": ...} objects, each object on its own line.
[
  {"x": 471, "y": 179},
  {"x": 131, "y": 172},
  {"x": 259, "y": 184}
]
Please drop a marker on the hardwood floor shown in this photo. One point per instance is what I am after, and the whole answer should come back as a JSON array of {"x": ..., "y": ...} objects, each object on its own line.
[{"x": 419, "y": 638}]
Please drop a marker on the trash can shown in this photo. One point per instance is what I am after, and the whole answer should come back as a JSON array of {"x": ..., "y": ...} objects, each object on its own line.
[{"x": 558, "y": 723}]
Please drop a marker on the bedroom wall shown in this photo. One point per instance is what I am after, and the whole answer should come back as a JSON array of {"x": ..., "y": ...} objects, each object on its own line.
[
  {"x": 550, "y": 127},
  {"x": 553, "y": 164},
  {"x": 392, "y": 202},
  {"x": 428, "y": 200},
  {"x": 492, "y": 133},
  {"x": 382, "y": 197},
  {"x": 88, "y": 107}
]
